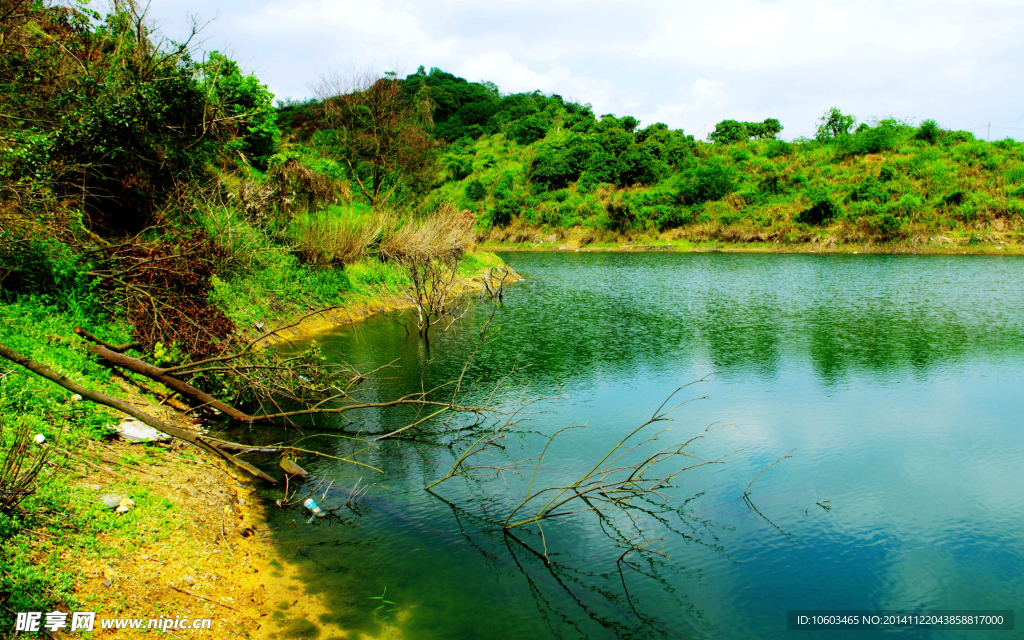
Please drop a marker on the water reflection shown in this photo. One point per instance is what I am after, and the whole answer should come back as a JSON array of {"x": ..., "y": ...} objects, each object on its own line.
[{"x": 897, "y": 379}]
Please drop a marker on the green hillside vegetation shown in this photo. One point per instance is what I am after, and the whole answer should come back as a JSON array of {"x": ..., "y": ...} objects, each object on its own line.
[{"x": 534, "y": 166}]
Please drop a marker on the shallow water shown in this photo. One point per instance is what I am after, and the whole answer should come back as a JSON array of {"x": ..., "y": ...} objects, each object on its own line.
[{"x": 895, "y": 381}]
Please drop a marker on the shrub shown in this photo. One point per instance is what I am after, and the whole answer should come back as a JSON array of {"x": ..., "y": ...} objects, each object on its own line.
[
  {"x": 621, "y": 214},
  {"x": 637, "y": 166},
  {"x": 728, "y": 132},
  {"x": 475, "y": 191},
  {"x": 334, "y": 237},
  {"x": 502, "y": 213},
  {"x": 929, "y": 131},
  {"x": 709, "y": 181},
  {"x": 834, "y": 124},
  {"x": 823, "y": 209},
  {"x": 1015, "y": 174},
  {"x": 771, "y": 185},
  {"x": 778, "y": 148},
  {"x": 673, "y": 217},
  {"x": 881, "y": 137},
  {"x": 885, "y": 225},
  {"x": 561, "y": 160},
  {"x": 458, "y": 166},
  {"x": 529, "y": 129}
]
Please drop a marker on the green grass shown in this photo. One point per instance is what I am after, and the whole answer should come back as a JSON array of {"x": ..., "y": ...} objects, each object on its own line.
[{"x": 42, "y": 547}]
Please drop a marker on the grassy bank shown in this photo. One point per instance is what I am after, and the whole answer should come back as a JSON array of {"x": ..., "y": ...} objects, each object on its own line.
[
  {"x": 62, "y": 549},
  {"x": 145, "y": 196}
]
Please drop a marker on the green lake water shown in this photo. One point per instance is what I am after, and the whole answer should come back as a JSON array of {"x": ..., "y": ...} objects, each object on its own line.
[{"x": 897, "y": 382}]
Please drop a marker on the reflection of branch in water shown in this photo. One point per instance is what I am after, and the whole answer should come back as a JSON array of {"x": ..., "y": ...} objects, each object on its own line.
[
  {"x": 561, "y": 574},
  {"x": 626, "y": 491},
  {"x": 636, "y": 566},
  {"x": 750, "y": 503}
]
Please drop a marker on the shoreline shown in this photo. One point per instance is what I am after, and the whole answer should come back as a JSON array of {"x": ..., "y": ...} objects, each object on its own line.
[
  {"x": 319, "y": 322},
  {"x": 218, "y": 558},
  {"x": 992, "y": 249}
]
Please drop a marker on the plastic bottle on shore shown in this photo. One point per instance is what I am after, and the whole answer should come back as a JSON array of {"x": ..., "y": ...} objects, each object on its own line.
[{"x": 314, "y": 510}]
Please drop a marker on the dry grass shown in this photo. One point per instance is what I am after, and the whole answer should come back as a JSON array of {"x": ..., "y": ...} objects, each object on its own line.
[
  {"x": 299, "y": 188},
  {"x": 325, "y": 238},
  {"x": 444, "y": 235}
]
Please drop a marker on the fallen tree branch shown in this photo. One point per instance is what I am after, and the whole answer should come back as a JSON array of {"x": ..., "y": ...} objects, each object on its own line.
[
  {"x": 101, "y": 398},
  {"x": 117, "y": 348}
]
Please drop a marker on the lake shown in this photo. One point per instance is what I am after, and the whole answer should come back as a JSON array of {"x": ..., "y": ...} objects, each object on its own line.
[{"x": 896, "y": 384}]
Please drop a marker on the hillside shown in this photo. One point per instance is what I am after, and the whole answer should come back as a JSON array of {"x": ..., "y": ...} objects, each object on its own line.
[{"x": 534, "y": 167}]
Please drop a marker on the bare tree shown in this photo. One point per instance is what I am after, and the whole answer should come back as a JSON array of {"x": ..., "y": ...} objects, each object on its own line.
[
  {"x": 378, "y": 130},
  {"x": 431, "y": 250}
]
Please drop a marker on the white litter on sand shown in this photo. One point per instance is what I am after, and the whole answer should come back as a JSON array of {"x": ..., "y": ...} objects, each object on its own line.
[{"x": 134, "y": 431}]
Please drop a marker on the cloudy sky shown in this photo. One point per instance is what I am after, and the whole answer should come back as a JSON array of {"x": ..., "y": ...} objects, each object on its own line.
[{"x": 688, "y": 64}]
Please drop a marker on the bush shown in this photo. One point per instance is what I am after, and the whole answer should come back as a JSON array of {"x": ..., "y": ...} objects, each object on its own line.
[
  {"x": 728, "y": 132},
  {"x": 709, "y": 181},
  {"x": 503, "y": 212},
  {"x": 674, "y": 217},
  {"x": 529, "y": 129},
  {"x": 475, "y": 191},
  {"x": 823, "y": 209},
  {"x": 834, "y": 124},
  {"x": 637, "y": 166},
  {"x": 771, "y": 185},
  {"x": 334, "y": 236},
  {"x": 885, "y": 225},
  {"x": 881, "y": 137},
  {"x": 929, "y": 132},
  {"x": 458, "y": 166},
  {"x": 561, "y": 160}
]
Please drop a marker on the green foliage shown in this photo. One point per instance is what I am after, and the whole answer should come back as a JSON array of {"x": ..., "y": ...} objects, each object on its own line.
[
  {"x": 475, "y": 191},
  {"x": 111, "y": 121},
  {"x": 246, "y": 109},
  {"x": 778, "y": 149},
  {"x": 728, "y": 132},
  {"x": 458, "y": 166},
  {"x": 502, "y": 213},
  {"x": 706, "y": 182},
  {"x": 884, "y": 225},
  {"x": 884, "y": 136},
  {"x": 834, "y": 124},
  {"x": 929, "y": 132},
  {"x": 529, "y": 129},
  {"x": 823, "y": 208},
  {"x": 732, "y": 131}
]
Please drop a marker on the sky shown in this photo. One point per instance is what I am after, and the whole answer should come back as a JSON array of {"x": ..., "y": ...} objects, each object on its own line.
[{"x": 687, "y": 64}]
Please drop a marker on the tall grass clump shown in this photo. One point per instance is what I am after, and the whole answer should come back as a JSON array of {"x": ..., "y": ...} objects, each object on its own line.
[{"x": 335, "y": 236}]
